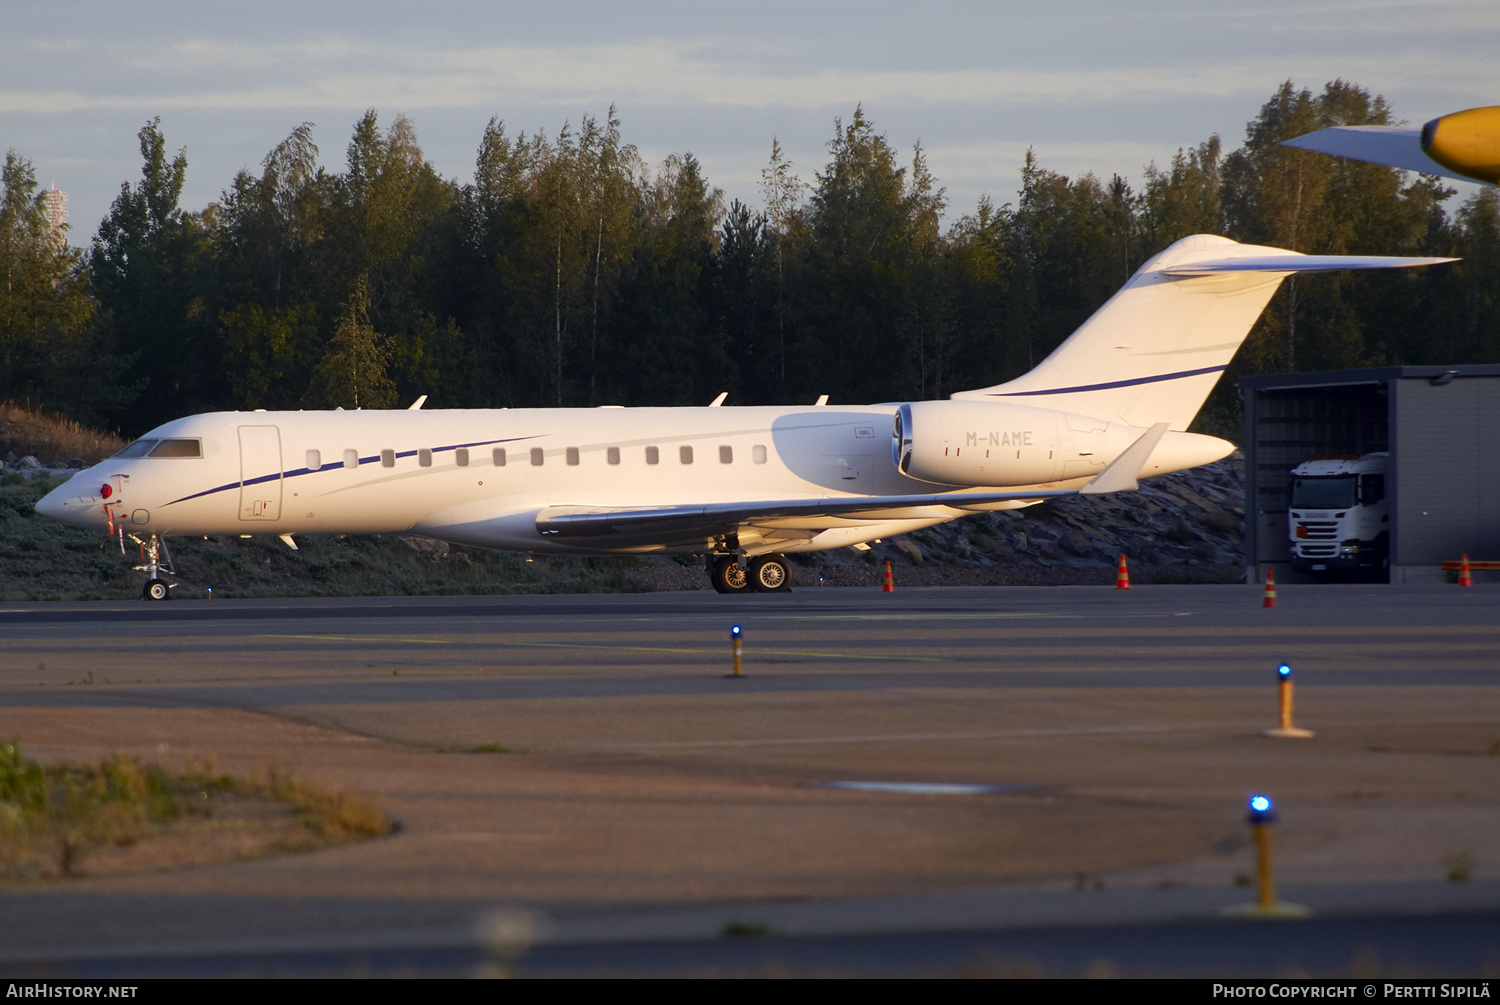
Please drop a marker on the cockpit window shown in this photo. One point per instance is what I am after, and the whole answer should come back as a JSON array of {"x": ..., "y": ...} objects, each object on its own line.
[
  {"x": 140, "y": 448},
  {"x": 177, "y": 448}
]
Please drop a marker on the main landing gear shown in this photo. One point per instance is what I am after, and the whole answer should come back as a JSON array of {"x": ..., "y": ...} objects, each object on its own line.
[{"x": 763, "y": 574}]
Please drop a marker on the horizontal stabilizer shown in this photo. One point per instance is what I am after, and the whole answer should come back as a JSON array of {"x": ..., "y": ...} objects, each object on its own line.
[
  {"x": 1154, "y": 350},
  {"x": 1291, "y": 261}
]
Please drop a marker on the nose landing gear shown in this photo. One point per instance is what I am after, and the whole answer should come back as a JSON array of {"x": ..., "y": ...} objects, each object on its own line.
[{"x": 155, "y": 560}]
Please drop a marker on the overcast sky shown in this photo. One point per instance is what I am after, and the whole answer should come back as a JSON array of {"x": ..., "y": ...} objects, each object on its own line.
[{"x": 1092, "y": 86}]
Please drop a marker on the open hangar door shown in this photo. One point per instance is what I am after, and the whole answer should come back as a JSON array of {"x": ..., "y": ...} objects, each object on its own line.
[{"x": 1442, "y": 482}]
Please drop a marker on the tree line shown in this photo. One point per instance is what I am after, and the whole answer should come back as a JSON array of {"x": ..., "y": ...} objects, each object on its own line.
[{"x": 569, "y": 272}]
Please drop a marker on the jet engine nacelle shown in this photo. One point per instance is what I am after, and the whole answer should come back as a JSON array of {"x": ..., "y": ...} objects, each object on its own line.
[
  {"x": 1468, "y": 142},
  {"x": 967, "y": 442}
]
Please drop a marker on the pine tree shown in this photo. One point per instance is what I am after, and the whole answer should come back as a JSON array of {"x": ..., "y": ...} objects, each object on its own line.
[{"x": 352, "y": 373}]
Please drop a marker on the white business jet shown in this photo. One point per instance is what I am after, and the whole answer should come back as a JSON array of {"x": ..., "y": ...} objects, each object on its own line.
[{"x": 743, "y": 486}]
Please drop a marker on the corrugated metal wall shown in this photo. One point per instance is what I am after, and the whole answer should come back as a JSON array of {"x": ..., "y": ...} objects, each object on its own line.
[
  {"x": 1447, "y": 485},
  {"x": 1287, "y": 426}
]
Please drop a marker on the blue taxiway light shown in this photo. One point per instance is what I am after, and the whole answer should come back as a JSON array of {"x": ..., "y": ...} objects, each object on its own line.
[
  {"x": 734, "y": 630},
  {"x": 1284, "y": 671},
  {"x": 1262, "y": 810}
]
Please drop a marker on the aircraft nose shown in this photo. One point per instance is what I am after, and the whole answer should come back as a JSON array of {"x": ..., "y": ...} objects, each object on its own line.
[
  {"x": 62, "y": 504},
  {"x": 51, "y": 504}
]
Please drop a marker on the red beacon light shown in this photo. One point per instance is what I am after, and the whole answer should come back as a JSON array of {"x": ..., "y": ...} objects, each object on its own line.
[{"x": 105, "y": 491}]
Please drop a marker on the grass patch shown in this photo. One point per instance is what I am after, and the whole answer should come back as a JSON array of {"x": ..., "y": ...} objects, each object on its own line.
[
  {"x": 1457, "y": 866},
  {"x": 125, "y": 816},
  {"x": 492, "y": 748},
  {"x": 41, "y": 559},
  {"x": 50, "y": 438}
]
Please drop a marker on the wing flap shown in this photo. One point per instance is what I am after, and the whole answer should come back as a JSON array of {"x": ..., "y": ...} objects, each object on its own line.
[{"x": 709, "y": 519}]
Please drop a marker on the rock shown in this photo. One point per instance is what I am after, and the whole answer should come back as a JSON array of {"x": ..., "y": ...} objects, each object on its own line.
[
  {"x": 28, "y": 463},
  {"x": 909, "y": 548},
  {"x": 427, "y": 546}
]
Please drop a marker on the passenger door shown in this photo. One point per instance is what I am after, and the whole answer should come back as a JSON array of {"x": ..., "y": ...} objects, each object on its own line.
[{"x": 260, "y": 473}]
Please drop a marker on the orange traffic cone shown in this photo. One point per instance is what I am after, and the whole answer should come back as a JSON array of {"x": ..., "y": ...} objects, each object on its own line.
[
  {"x": 1270, "y": 600},
  {"x": 889, "y": 584},
  {"x": 1122, "y": 577},
  {"x": 1464, "y": 579}
]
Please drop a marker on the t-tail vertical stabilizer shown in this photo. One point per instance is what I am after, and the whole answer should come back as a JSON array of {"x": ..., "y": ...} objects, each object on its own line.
[{"x": 1156, "y": 348}]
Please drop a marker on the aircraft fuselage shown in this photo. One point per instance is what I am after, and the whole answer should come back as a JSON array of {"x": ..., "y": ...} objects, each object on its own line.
[{"x": 482, "y": 476}]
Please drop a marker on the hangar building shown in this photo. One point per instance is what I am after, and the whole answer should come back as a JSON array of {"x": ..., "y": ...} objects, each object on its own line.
[{"x": 1442, "y": 485}]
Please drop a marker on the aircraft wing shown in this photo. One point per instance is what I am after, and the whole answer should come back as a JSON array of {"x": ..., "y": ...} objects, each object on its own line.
[
  {"x": 571, "y": 522},
  {"x": 708, "y": 519},
  {"x": 1392, "y": 146}
]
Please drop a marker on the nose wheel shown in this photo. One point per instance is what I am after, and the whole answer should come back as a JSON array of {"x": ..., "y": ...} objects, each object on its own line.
[{"x": 155, "y": 560}]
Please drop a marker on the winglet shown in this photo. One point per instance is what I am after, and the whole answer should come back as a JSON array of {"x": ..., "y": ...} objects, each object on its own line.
[{"x": 1121, "y": 474}]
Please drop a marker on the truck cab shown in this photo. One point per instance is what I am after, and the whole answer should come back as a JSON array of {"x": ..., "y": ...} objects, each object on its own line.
[{"x": 1338, "y": 520}]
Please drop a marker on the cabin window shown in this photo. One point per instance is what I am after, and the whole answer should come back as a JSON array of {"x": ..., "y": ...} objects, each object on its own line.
[
  {"x": 726, "y": 455},
  {"x": 653, "y": 455},
  {"x": 388, "y": 458},
  {"x": 351, "y": 458},
  {"x": 177, "y": 448},
  {"x": 424, "y": 457},
  {"x": 573, "y": 456},
  {"x": 685, "y": 454},
  {"x": 758, "y": 454},
  {"x": 612, "y": 455},
  {"x": 536, "y": 457},
  {"x": 314, "y": 460},
  {"x": 461, "y": 457},
  {"x": 499, "y": 457}
]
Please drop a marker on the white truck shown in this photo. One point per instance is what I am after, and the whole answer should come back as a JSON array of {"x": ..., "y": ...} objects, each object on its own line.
[{"x": 1338, "y": 520}]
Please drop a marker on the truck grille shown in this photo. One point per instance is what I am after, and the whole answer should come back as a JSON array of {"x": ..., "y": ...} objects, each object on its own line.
[
  {"x": 1317, "y": 550},
  {"x": 1317, "y": 530}
]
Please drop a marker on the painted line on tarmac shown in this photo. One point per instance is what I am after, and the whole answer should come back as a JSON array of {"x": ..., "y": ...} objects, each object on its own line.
[
  {"x": 930, "y": 788},
  {"x": 626, "y": 649},
  {"x": 996, "y": 734}
]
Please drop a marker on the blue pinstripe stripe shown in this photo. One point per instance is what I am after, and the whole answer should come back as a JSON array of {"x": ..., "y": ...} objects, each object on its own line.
[
  {"x": 1114, "y": 383},
  {"x": 297, "y": 472}
]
